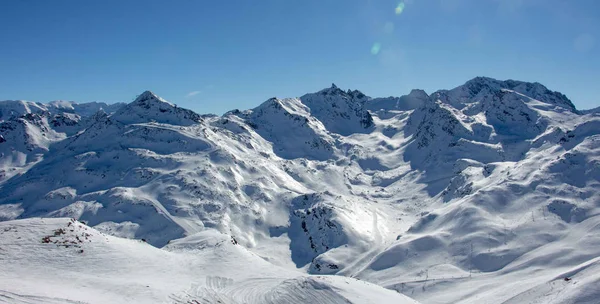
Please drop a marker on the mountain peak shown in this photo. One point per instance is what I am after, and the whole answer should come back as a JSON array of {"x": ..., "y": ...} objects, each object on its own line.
[
  {"x": 480, "y": 88},
  {"x": 149, "y": 96},
  {"x": 333, "y": 90},
  {"x": 340, "y": 112},
  {"x": 418, "y": 93},
  {"x": 150, "y": 107},
  {"x": 483, "y": 79},
  {"x": 336, "y": 91}
]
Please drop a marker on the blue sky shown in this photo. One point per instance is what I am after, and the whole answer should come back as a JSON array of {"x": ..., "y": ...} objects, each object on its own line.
[{"x": 213, "y": 56}]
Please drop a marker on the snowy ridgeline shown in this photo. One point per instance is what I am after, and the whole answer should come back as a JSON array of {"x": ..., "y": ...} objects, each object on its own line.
[{"x": 486, "y": 193}]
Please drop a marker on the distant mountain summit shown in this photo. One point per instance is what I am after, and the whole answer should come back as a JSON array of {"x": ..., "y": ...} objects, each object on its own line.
[
  {"x": 447, "y": 197},
  {"x": 387, "y": 106},
  {"x": 340, "y": 112},
  {"x": 83, "y": 109},
  {"x": 149, "y": 107},
  {"x": 17, "y": 108},
  {"x": 484, "y": 89}
]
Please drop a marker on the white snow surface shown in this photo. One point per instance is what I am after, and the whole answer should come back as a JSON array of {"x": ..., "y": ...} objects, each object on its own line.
[
  {"x": 16, "y": 108},
  {"x": 64, "y": 261},
  {"x": 486, "y": 193}
]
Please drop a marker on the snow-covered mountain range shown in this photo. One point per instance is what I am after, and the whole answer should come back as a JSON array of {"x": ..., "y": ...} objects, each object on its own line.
[{"x": 486, "y": 193}]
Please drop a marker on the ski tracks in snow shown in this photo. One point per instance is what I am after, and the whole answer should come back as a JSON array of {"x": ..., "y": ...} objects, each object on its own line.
[
  {"x": 301, "y": 289},
  {"x": 14, "y": 298}
]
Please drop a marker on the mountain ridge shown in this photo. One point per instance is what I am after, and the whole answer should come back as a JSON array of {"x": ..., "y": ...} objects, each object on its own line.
[{"x": 484, "y": 180}]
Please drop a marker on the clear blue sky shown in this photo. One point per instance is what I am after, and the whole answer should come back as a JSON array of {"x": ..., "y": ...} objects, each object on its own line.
[{"x": 213, "y": 56}]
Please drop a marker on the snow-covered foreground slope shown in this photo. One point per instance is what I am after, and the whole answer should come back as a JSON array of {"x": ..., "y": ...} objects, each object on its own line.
[
  {"x": 486, "y": 193},
  {"x": 63, "y": 261}
]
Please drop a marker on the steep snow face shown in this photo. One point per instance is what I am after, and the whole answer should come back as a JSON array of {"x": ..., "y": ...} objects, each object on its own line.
[
  {"x": 17, "y": 108},
  {"x": 434, "y": 128},
  {"x": 340, "y": 112},
  {"x": 472, "y": 188},
  {"x": 24, "y": 141},
  {"x": 27, "y": 130},
  {"x": 484, "y": 120},
  {"x": 484, "y": 89},
  {"x": 511, "y": 116},
  {"x": 28, "y": 133},
  {"x": 322, "y": 221},
  {"x": 289, "y": 126},
  {"x": 148, "y": 107}
]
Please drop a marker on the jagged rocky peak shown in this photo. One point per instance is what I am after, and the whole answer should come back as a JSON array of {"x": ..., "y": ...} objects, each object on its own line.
[
  {"x": 340, "y": 111},
  {"x": 149, "y": 107},
  {"x": 356, "y": 94},
  {"x": 331, "y": 90},
  {"x": 335, "y": 90}
]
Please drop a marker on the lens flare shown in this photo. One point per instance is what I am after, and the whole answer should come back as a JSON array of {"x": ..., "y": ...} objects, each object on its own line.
[
  {"x": 400, "y": 8},
  {"x": 375, "y": 48}
]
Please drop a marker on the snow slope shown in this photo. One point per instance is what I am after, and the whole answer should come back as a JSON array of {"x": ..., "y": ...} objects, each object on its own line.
[
  {"x": 485, "y": 193},
  {"x": 27, "y": 129},
  {"x": 17, "y": 108},
  {"x": 63, "y": 261}
]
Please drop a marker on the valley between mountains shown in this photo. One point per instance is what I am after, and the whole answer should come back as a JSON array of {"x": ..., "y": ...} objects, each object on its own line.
[{"x": 485, "y": 193}]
